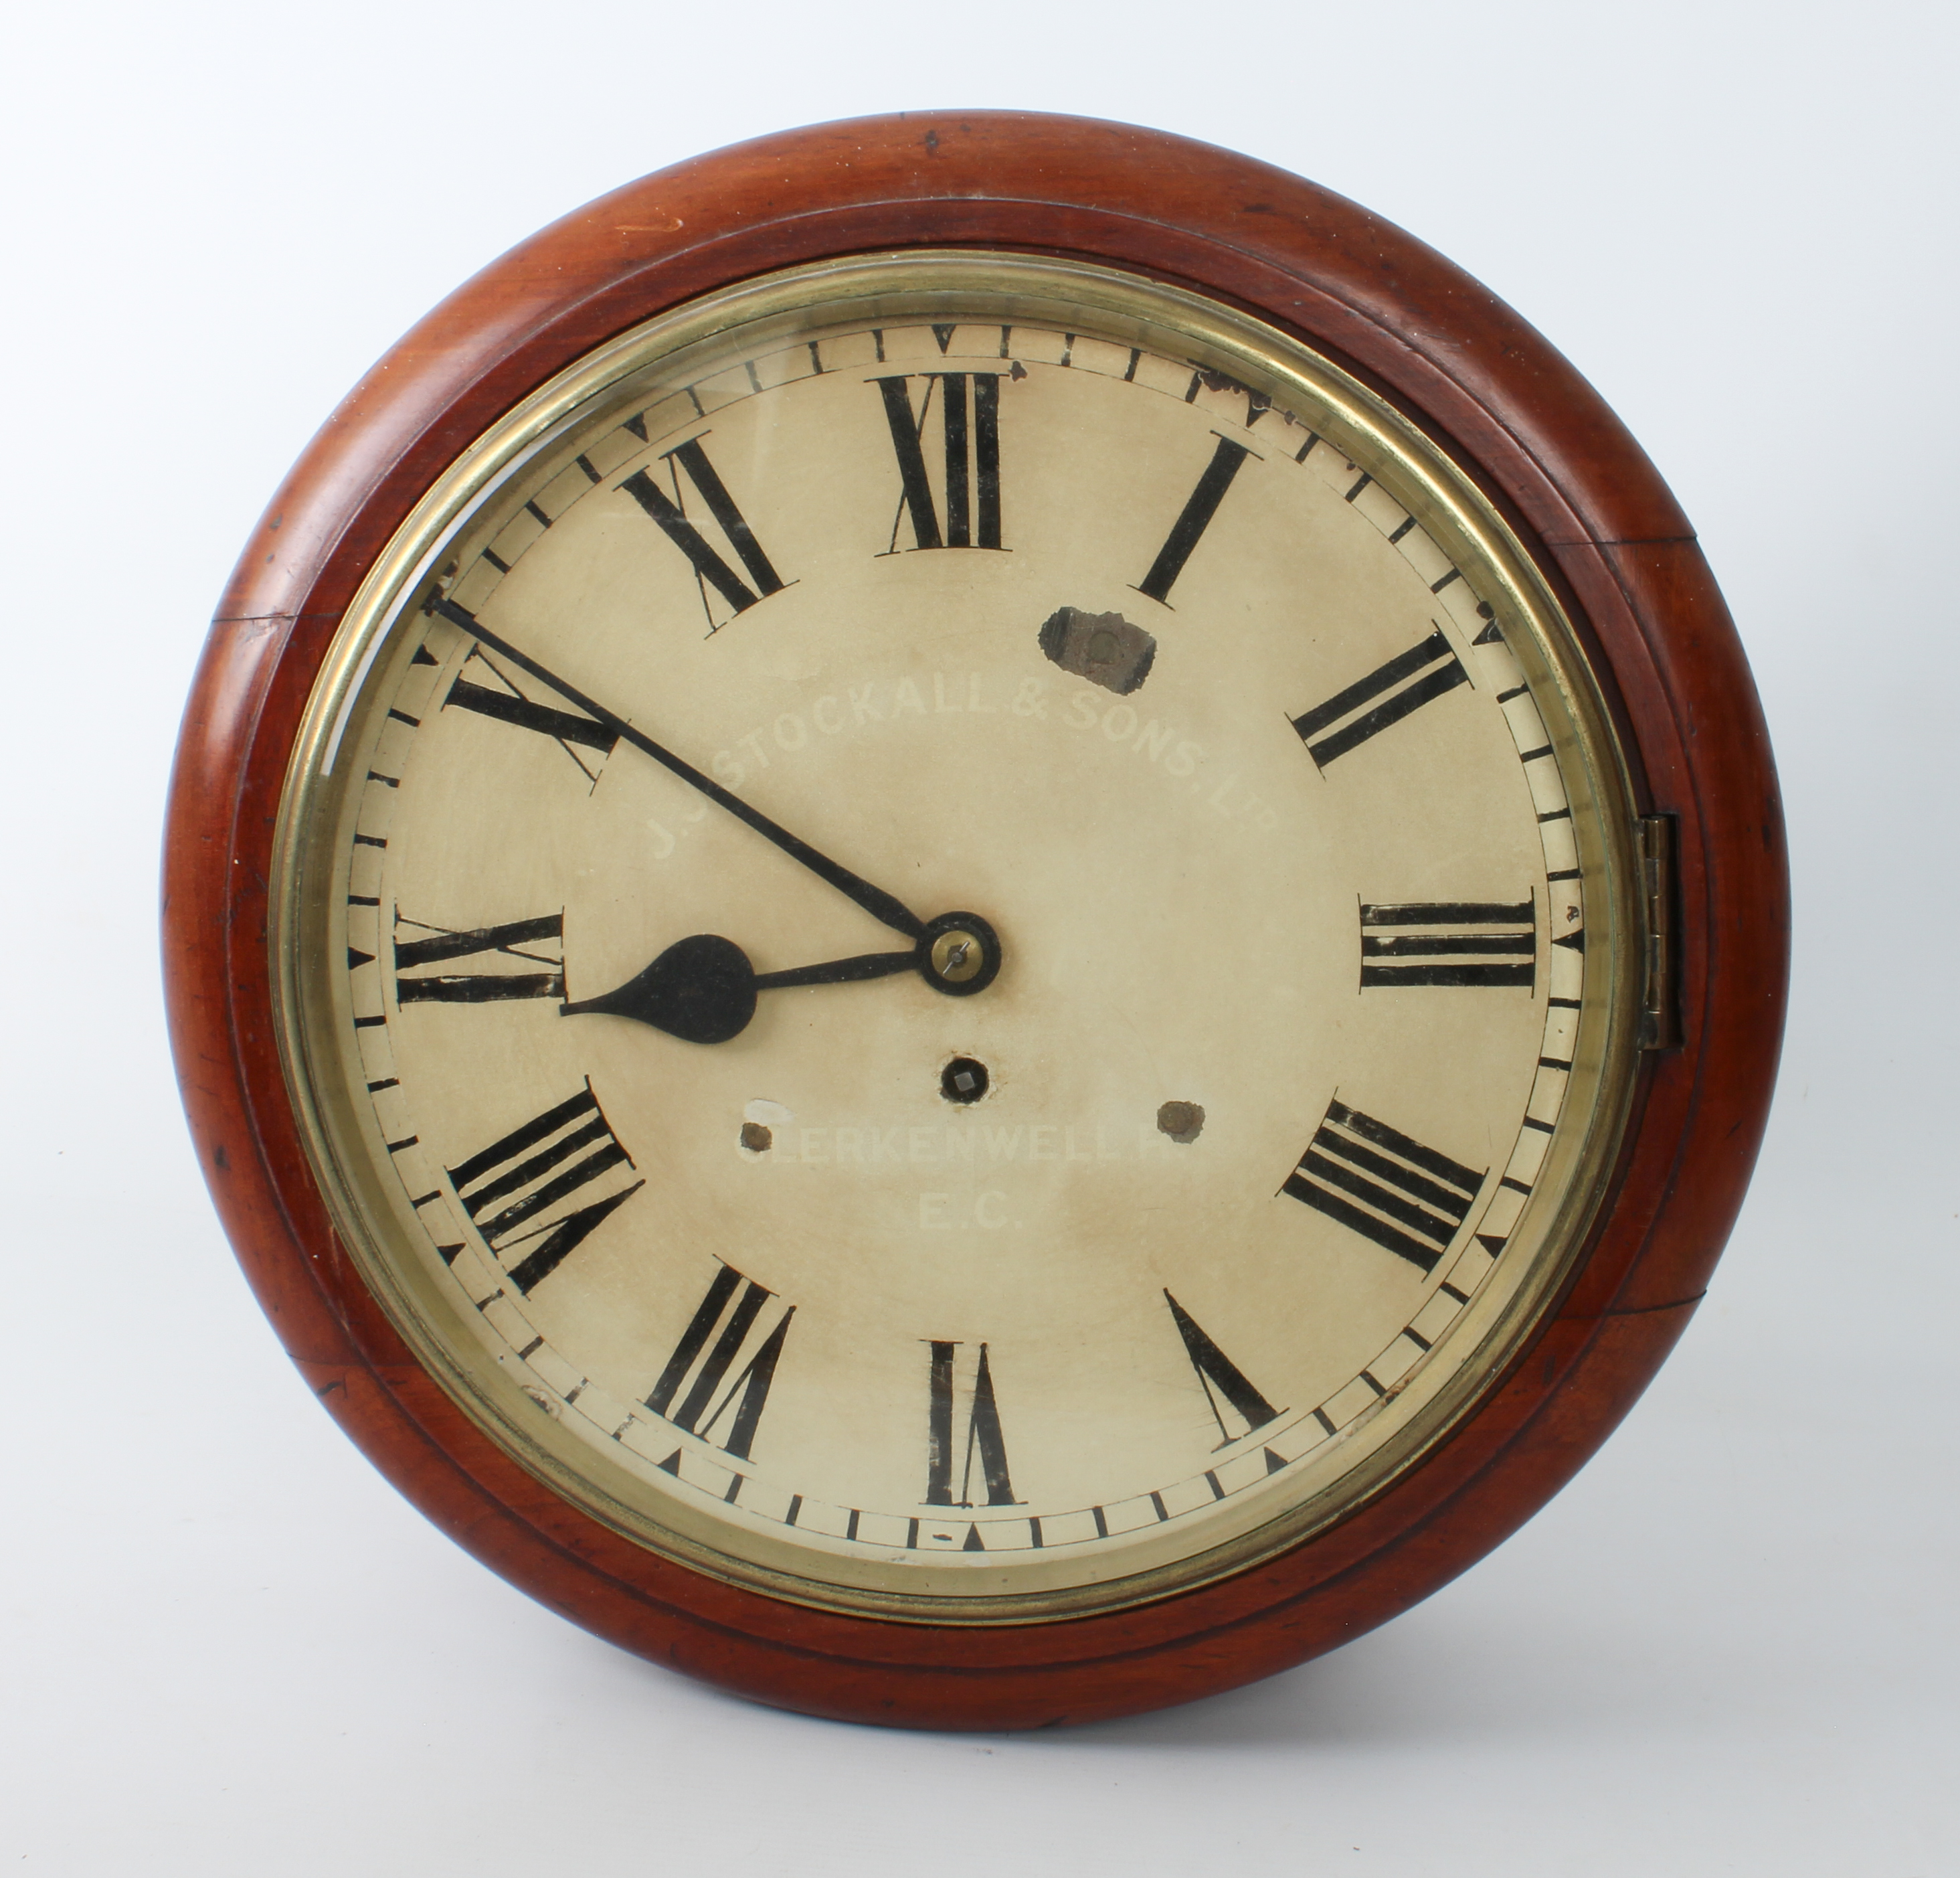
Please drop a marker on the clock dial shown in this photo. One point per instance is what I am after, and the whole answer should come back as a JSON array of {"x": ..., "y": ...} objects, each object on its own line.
[{"x": 955, "y": 938}]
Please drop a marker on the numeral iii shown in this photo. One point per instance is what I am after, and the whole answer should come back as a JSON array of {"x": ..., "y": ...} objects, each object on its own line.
[{"x": 1449, "y": 942}]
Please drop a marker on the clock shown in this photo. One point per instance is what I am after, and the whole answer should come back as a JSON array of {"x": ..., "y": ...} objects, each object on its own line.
[{"x": 975, "y": 919}]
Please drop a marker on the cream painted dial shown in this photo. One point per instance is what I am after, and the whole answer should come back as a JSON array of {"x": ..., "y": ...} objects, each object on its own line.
[{"x": 952, "y": 937}]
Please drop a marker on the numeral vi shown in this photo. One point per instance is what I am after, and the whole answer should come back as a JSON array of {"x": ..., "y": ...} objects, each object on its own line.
[{"x": 983, "y": 1442}]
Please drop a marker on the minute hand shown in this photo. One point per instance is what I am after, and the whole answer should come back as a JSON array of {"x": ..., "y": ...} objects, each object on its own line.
[{"x": 881, "y": 905}]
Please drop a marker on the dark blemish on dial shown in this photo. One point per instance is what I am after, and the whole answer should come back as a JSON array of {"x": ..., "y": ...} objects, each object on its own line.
[
  {"x": 756, "y": 1138},
  {"x": 1257, "y": 403},
  {"x": 1104, "y": 649},
  {"x": 1182, "y": 1121}
]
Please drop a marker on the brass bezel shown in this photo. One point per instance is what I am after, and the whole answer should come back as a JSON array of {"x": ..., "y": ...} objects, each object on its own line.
[{"x": 314, "y": 820}]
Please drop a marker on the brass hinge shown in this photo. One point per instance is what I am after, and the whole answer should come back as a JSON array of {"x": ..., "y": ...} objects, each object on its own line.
[{"x": 1660, "y": 988}]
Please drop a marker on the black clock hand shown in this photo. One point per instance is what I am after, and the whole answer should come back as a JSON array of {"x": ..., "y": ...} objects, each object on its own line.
[
  {"x": 867, "y": 965},
  {"x": 884, "y": 907},
  {"x": 702, "y": 989}
]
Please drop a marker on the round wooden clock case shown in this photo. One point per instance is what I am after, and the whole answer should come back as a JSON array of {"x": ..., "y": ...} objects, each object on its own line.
[{"x": 1600, "y": 532}]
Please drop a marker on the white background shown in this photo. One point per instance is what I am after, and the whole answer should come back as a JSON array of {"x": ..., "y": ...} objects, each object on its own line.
[{"x": 229, "y": 1648}]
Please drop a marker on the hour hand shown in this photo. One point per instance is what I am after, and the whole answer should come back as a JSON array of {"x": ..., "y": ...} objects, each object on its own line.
[{"x": 702, "y": 989}]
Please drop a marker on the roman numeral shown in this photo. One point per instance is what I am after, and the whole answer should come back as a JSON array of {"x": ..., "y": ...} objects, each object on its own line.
[
  {"x": 1406, "y": 683},
  {"x": 512, "y": 1187},
  {"x": 571, "y": 730},
  {"x": 706, "y": 1402},
  {"x": 983, "y": 1442},
  {"x": 670, "y": 512},
  {"x": 973, "y": 496},
  {"x": 1411, "y": 1199},
  {"x": 1188, "y": 529},
  {"x": 1449, "y": 942},
  {"x": 515, "y": 940},
  {"x": 1218, "y": 1375}
]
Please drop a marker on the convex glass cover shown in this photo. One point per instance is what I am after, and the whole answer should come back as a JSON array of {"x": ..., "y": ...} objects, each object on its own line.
[{"x": 955, "y": 937}]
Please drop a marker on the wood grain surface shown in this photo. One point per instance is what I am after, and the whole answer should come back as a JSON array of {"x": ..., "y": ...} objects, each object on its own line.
[{"x": 1581, "y": 494}]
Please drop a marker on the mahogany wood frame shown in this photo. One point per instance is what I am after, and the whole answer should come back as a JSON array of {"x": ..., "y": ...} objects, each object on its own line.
[{"x": 1580, "y": 493}]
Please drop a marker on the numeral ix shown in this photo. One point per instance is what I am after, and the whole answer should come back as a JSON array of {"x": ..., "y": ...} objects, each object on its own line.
[{"x": 517, "y": 940}]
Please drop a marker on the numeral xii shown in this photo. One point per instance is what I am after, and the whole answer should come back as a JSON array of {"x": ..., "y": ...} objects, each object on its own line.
[{"x": 972, "y": 493}]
